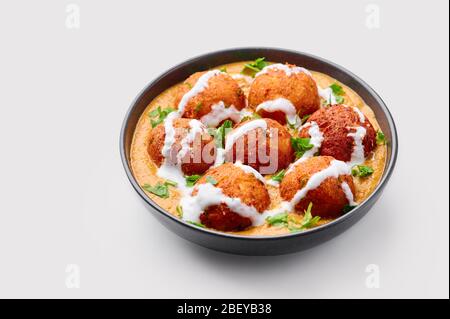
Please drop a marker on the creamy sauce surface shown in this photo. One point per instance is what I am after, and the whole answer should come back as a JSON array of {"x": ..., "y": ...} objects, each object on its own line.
[{"x": 145, "y": 171}]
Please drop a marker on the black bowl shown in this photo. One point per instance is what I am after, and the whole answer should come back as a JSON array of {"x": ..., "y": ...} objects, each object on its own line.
[{"x": 255, "y": 245}]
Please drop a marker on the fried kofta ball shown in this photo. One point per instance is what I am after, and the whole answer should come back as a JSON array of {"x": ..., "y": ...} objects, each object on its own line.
[
  {"x": 288, "y": 82},
  {"x": 214, "y": 87},
  {"x": 336, "y": 123},
  {"x": 329, "y": 197},
  {"x": 235, "y": 183},
  {"x": 263, "y": 144},
  {"x": 196, "y": 153}
]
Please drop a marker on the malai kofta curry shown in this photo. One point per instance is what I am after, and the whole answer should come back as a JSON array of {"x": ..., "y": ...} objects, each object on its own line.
[{"x": 258, "y": 148}]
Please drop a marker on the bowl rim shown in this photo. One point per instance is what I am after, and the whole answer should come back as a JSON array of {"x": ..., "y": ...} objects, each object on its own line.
[{"x": 360, "y": 208}]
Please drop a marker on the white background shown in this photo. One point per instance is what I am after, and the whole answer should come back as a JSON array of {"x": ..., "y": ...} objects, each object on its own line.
[{"x": 64, "y": 197}]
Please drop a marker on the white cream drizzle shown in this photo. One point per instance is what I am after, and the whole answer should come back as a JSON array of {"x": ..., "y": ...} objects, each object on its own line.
[
  {"x": 348, "y": 193},
  {"x": 169, "y": 170},
  {"x": 220, "y": 112},
  {"x": 289, "y": 70},
  {"x": 358, "y": 147},
  {"x": 327, "y": 95},
  {"x": 200, "y": 85},
  {"x": 362, "y": 118},
  {"x": 251, "y": 170},
  {"x": 209, "y": 195},
  {"x": 283, "y": 105}
]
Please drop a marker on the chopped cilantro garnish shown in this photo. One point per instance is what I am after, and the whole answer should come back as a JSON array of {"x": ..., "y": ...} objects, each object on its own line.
[
  {"x": 220, "y": 133},
  {"x": 283, "y": 220},
  {"x": 196, "y": 224},
  {"x": 179, "y": 211},
  {"x": 381, "y": 139},
  {"x": 301, "y": 145},
  {"x": 161, "y": 190},
  {"x": 254, "y": 67},
  {"x": 308, "y": 220},
  {"x": 338, "y": 92},
  {"x": 223, "y": 69},
  {"x": 280, "y": 219},
  {"x": 362, "y": 171},
  {"x": 159, "y": 114},
  {"x": 198, "y": 107},
  {"x": 278, "y": 176},
  {"x": 254, "y": 116},
  {"x": 305, "y": 118},
  {"x": 191, "y": 180}
]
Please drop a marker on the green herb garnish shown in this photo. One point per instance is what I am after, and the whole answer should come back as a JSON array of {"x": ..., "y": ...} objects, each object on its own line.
[
  {"x": 198, "y": 107},
  {"x": 362, "y": 171},
  {"x": 301, "y": 145},
  {"x": 278, "y": 176},
  {"x": 220, "y": 133},
  {"x": 191, "y": 180},
  {"x": 211, "y": 180},
  {"x": 179, "y": 211},
  {"x": 196, "y": 224},
  {"x": 381, "y": 139},
  {"x": 305, "y": 118},
  {"x": 161, "y": 190},
  {"x": 223, "y": 69},
  {"x": 338, "y": 92},
  {"x": 160, "y": 115},
  {"x": 280, "y": 219},
  {"x": 254, "y": 116},
  {"x": 254, "y": 67},
  {"x": 308, "y": 220}
]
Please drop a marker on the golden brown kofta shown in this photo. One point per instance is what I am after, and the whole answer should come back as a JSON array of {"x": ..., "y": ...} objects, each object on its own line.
[
  {"x": 221, "y": 87},
  {"x": 299, "y": 88},
  {"x": 200, "y": 156},
  {"x": 335, "y": 123},
  {"x": 235, "y": 183},
  {"x": 328, "y": 199},
  {"x": 266, "y": 151}
]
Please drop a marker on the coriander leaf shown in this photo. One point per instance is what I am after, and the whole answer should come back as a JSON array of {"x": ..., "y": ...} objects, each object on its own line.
[
  {"x": 278, "y": 219},
  {"x": 180, "y": 211},
  {"x": 338, "y": 92},
  {"x": 191, "y": 180},
  {"x": 211, "y": 180},
  {"x": 381, "y": 139},
  {"x": 362, "y": 171},
  {"x": 278, "y": 176},
  {"x": 159, "y": 189},
  {"x": 221, "y": 132},
  {"x": 198, "y": 107},
  {"x": 196, "y": 224},
  {"x": 160, "y": 115},
  {"x": 254, "y": 116},
  {"x": 308, "y": 220},
  {"x": 170, "y": 183},
  {"x": 305, "y": 118},
  {"x": 254, "y": 67},
  {"x": 223, "y": 69},
  {"x": 337, "y": 89},
  {"x": 301, "y": 145}
]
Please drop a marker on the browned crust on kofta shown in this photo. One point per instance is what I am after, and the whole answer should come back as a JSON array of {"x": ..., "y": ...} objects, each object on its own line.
[
  {"x": 235, "y": 183},
  {"x": 328, "y": 199},
  {"x": 195, "y": 161},
  {"x": 335, "y": 123},
  {"x": 248, "y": 147},
  {"x": 221, "y": 87},
  {"x": 299, "y": 88}
]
